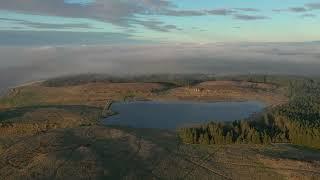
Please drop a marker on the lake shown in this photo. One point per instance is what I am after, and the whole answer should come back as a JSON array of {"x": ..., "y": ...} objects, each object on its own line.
[{"x": 172, "y": 115}]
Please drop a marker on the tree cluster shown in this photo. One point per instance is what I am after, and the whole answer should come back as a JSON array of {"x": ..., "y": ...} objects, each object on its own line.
[{"x": 296, "y": 122}]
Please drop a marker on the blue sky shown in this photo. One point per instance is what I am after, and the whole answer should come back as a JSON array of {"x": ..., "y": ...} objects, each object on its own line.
[{"x": 169, "y": 21}]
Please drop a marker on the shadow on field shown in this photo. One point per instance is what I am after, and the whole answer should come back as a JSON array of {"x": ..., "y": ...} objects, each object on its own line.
[
  {"x": 20, "y": 111},
  {"x": 292, "y": 152}
]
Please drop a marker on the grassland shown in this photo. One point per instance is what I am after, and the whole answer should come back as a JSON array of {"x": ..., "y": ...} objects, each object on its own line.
[
  {"x": 34, "y": 120},
  {"x": 96, "y": 94},
  {"x": 230, "y": 91},
  {"x": 53, "y": 132},
  {"x": 96, "y": 152}
]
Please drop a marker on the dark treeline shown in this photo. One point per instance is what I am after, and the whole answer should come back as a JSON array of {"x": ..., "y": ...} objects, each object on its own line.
[
  {"x": 171, "y": 79},
  {"x": 296, "y": 122},
  {"x": 166, "y": 79}
]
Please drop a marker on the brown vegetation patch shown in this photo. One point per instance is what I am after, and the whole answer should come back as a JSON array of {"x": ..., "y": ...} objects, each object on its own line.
[
  {"x": 40, "y": 120},
  {"x": 94, "y": 94},
  {"x": 98, "y": 152},
  {"x": 97, "y": 94},
  {"x": 231, "y": 91},
  {"x": 293, "y": 169}
]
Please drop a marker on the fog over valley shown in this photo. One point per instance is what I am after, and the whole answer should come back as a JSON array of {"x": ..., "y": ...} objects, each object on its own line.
[{"x": 21, "y": 64}]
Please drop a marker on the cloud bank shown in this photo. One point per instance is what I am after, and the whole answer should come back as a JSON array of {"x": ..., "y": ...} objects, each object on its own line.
[{"x": 20, "y": 64}]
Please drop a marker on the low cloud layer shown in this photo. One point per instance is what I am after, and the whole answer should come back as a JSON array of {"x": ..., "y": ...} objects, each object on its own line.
[{"x": 21, "y": 64}]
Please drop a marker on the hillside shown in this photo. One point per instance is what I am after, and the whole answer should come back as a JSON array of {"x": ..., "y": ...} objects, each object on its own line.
[
  {"x": 87, "y": 90},
  {"x": 296, "y": 122}
]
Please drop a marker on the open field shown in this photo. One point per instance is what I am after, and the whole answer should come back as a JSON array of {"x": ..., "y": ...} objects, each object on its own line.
[
  {"x": 99, "y": 152},
  {"x": 96, "y": 94},
  {"x": 34, "y": 120},
  {"x": 230, "y": 91}
]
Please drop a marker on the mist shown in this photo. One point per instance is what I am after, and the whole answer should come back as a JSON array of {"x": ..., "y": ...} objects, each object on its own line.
[{"x": 19, "y": 64}]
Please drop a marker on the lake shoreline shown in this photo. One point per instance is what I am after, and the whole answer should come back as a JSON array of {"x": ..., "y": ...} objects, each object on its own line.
[{"x": 176, "y": 114}]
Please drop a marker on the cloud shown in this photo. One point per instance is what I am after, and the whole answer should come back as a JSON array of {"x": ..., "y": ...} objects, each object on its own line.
[
  {"x": 298, "y": 9},
  {"x": 248, "y": 9},
  {"x": 48, "y": 25},
  {"x": 308, "y": 15},
  {"x": 292, "y": 9},
  {"x": 218, "y": 12},
  {"x": 157, "y": 25},
  {"x": 170, "y": 12},
  {"x": 122, "y": 13},
  {"x": 222, "y": 58},
  {"x": 117, "y": 12},
  {"x": 305, "y": 8},
  {"x": 313, "y": 6},
  {"x": 172, "y": 27},
  {"x": 279, "y": 10},
  {"x": 223, "y": 12},
  {"x": 57, "y": 26},
  {"x": 249, "y": 17}
]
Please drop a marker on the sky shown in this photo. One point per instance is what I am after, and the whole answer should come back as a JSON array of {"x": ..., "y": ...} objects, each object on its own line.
[
  {"x": 40, "y": 39},
  {"x": 159, "y": 21}
]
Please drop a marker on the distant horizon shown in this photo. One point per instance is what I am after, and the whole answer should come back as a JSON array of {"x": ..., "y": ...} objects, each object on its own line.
[
  {"x": 64, "y": 38},
  {"x": 5, "y": 87},
  {"x": 46, "y": 38}
]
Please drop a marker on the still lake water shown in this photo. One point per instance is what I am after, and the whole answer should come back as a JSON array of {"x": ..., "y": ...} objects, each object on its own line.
[{"x": 172, "y": 115}]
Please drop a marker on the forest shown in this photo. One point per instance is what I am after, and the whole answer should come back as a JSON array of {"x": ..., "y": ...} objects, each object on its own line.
[
  {"x": 165, "y": 79},
  {"x": 296, "y": 122}
]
